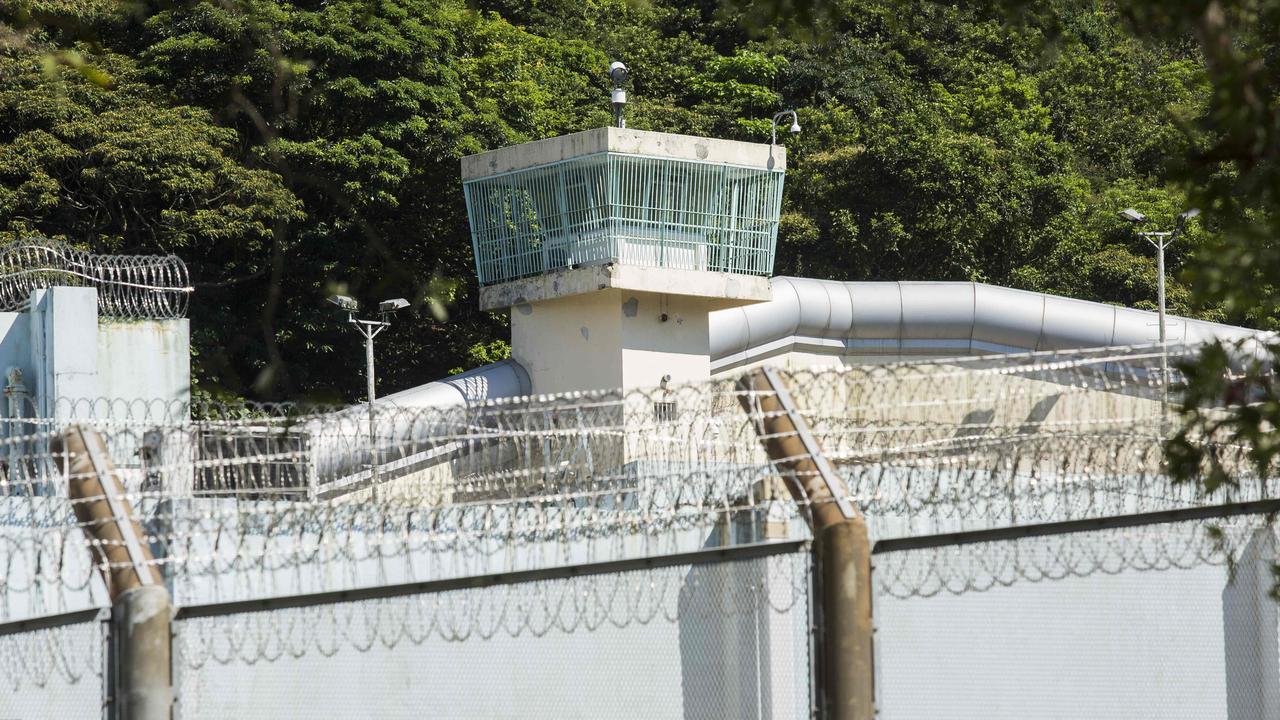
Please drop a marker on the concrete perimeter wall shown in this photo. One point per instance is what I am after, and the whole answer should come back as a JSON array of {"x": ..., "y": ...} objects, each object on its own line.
[{"x": 75, "y": 363}]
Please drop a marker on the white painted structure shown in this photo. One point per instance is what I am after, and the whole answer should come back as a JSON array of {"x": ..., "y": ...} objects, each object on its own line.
[
  {"x": 613, "y": 268},
  {"x": 74, "y": 362},
  {"x": 585, "y": 340},
  {"x": 575, "y": 251}
]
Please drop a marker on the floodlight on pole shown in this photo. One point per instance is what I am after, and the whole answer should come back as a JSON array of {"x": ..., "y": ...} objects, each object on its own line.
[
  {"x": 386, "y": 307},
  {"x": 1161, "y": 240},
  {"x": 1133, "y": 216},
  {"x": 369, "y": 329},
  {"x": 345, "y": 303},
  {"x": 795, "y": 125}
]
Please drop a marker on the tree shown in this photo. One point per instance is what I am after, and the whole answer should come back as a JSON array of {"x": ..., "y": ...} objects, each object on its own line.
[
  {"x": 104, "y": 161},
  {"x": 940, "y": 142},
  {"x": 1184, "y": 94}
]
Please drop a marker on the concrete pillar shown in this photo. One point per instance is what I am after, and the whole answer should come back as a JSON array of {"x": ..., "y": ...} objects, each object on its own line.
[
  {"x": 64, "y": 348},
  {"x": 140, "y": 602},
  {"x": 842, "y": 550},
  {"x": 843, "y": 557},
  {"x": 141, "y": 619}
]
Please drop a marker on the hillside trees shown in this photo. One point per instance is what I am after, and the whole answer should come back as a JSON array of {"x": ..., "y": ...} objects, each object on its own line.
[
  {"x": 108, "y": 162},
  {"x": 939, "y": 143},
  {"x": 364, "y": 109},
  {"x": 950, "y": 146}
]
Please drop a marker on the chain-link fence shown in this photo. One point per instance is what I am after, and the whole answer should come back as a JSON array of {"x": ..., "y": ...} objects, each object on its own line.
[
  {"x": 313, "y": 559},
  {"x": 54, "y": 668},
  {"x": 257, "y": 501},
  {"x": 708, "y": 635},
  {"x": 1143, "y": 618}
]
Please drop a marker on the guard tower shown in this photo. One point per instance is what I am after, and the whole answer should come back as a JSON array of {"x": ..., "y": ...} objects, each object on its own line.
[{"x": 612, "y": 246}]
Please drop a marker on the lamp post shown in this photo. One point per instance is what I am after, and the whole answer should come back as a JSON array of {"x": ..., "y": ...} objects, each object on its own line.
[
  {"x": 369, "y": 329},
  {"x": 773, "y": 130},
  {"x": 1161, "y": 240}
]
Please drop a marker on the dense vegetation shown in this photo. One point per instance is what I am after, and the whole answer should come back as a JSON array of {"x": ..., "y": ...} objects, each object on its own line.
[{"x": 289, "y": 149}]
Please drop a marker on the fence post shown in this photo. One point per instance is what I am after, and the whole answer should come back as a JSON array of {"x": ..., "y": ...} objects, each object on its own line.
[
  {"x": 842, "y": 551},
  {"x": 142, "y": 677}
]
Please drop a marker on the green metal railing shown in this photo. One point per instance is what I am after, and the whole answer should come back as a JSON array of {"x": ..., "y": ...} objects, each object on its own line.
[{"x": 629, "y": 209}]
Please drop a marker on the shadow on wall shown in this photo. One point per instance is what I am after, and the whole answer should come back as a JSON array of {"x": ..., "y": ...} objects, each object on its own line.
[
  {"x": 744, "y": 639},
  {"x": 1250, "y": 631},
  {"x": 722, "y": 648}
]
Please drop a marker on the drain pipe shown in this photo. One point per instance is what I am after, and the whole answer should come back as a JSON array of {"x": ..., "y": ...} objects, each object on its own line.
[
  {"x": 140, "y": 612},
  {"x": 842, "y": 552}
]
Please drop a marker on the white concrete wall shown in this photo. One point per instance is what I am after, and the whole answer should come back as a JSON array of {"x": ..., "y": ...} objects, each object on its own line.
[
  {"x": 64, "y": 348},
  {"x": 1130, "y": 645},
  {"x": 653, "y": 348},
  {"x": 75, "y": 363},
  {"x": 611, "y": 339},
  {"x": 144, "y": 359},
  {"x": 571, "y": 343},
  {"x": 712, "y": 642}
]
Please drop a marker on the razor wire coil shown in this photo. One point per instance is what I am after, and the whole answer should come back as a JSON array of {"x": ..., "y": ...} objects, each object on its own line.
[
  {"x": 136, "y": 287},
  {"x": 248, "y": 501}
]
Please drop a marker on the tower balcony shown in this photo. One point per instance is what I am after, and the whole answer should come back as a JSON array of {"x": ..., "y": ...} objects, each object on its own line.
[{"x": 618, "y": 204}]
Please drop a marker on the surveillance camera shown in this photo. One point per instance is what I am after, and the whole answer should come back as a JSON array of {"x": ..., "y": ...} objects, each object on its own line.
[
  {"x": 1132, "y": 215},
  {"x": 795, "y": 126},
  {"x": 617, "y": 72},
  {"x": 345, "y": 303},
  {"x": 390, "y": 306}
]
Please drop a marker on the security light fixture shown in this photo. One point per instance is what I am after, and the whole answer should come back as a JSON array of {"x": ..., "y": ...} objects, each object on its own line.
[
  {"x": 345, "y": 303},
  {"x": 618, "y": 73},
  {"x": 1132, "y": 215},
  {"x": 369, "y": 329},
  {"x": 795, "y": 125},
  {"x": 1161, "y": 240},
  {"x": 389, "y": 306}
]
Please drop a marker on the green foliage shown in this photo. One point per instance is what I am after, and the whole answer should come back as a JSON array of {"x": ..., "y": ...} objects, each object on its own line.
[
  {"x": 1224, "y": 408},
  {"x": 288, "y": 148},
  {"x": 364, "y": 109},
  {"x": 948, "y": 150},
  {"x": 113, "y": 164},
  {"x": 484, "y": 353}
]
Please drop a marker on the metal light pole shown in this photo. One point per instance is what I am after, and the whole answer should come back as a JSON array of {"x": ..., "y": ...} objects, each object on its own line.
[
  {"x": 369, "y": 329},
  {"x": 1161, "y": 240},
  {"x": 773, "y": 130}
]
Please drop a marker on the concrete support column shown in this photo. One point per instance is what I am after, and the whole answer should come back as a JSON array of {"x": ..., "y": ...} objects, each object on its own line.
[
  {"x": 64, "y": 350},
  {"x": 842, "y": 555},
  {"x": 141, "y": 616},
  {"x": 842, "y": 550},
  {"x": 140, "y": 619}
]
